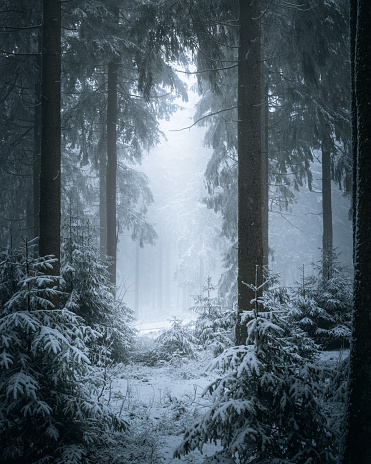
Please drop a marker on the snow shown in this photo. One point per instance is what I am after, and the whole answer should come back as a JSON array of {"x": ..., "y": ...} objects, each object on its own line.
[{"x": 167, "y": 399}]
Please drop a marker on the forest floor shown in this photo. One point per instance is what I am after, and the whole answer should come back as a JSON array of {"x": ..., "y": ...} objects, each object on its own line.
[{"x": 161, "y": 402}]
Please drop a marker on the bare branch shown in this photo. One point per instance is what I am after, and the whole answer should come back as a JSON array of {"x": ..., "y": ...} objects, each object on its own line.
[{"x": 204, "y": 117}]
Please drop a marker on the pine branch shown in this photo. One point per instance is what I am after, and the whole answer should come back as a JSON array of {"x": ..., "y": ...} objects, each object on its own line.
[{"x": 204, "y": 117}]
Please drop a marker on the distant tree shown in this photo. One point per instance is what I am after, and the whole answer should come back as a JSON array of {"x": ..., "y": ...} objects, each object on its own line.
[
  {"x": 357, "y": 443},
  {"x": 118, "y": 85},
  {"x": 176, "y": 343}
]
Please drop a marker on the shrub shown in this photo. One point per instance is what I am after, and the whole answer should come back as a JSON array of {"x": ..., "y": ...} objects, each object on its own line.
[
  {"x": 49, "y": 407},
  {"x": 214, "y": 324},
  {"x": 267, "y": 403}
]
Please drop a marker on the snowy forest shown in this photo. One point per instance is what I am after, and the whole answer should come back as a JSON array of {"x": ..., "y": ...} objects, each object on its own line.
[{"x": 185, "y": 225}]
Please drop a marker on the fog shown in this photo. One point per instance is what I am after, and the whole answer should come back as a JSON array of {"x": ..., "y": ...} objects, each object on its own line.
[{"x": 159, "y": 281}]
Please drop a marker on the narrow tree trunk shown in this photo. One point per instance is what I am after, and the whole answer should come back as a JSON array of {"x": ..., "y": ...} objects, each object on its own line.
[
  {"x": 112, "y": 167},
  {"x": 167, "y": 278},
  {"x": 250, "y": 244},
  {"x": 50, "y": 172},
  {"x": 137, "y": 279},
  {"x": 327, "y": 234},
  {"x": 37, "y": 146},
  {"x": 357, "y": 444},
  {"x": 202, "y": 275},
  {"x": 160, "y": 273},
  {"x": 103, "y": 195},
  {"x": 352, "y": 37},
  {"x": 264, "y": 156}
]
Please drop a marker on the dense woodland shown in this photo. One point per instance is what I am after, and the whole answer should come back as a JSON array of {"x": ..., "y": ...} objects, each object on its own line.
[{"x": 84, "y": 85}]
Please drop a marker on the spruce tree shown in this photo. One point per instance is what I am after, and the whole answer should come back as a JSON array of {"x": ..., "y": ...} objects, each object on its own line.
[
  {"x": 357, "y": 443},
  {"x": 50, "y": 174},
  {"x": 50, "y": 409}
]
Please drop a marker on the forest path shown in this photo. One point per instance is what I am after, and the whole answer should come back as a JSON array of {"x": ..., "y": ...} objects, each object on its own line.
[{"x": 161, "y": 402}]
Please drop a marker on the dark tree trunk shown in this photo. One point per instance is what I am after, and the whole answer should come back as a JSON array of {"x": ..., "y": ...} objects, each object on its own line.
[
  {"x": 250, "y": 243},
  {"x": 357, "y": 443},
  {"x": 264, "y": 156},
  {"x": 353, "y": 29},
  {"x": 103, "y": 195},
  {"x": 112, "y": 167},
  {"x": 37, "y": 144},
  {"x": 327, "y": 245},
  {"x": 50, "y": 167}
]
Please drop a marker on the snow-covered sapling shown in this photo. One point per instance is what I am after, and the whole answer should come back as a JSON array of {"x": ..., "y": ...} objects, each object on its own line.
[
  {"x": 214, "y": 324},
  {"x": 48, "y": 390}
]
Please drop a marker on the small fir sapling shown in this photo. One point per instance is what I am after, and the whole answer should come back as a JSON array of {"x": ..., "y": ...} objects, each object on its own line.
[
  {"x": 49, "y": 411},
  {"x": 88, "y": 292},
  {"x": 177, "y": 342},
  {"x": 214, "y": 324},
  {"x": 266, "y": 404},
  {"x": 323, "y": 307}
]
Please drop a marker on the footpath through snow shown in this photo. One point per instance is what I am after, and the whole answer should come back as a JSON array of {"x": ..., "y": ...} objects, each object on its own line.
[{"x": 161, "y": 402}]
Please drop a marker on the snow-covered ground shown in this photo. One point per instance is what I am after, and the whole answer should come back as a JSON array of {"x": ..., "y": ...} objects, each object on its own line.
[
  {"x": 161, "y": 401},
  {"x": 164, "y": 400}
]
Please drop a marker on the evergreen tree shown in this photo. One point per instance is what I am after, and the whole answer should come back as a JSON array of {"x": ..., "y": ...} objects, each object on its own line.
[
  {"x": 19, "y": 107},
  {"x": 88, "y": 293},
  {"x": 323, "y": 307},
  {"x": 50, "y": 173},
  {"x": 176, "y": 343},
  {"x": 214, "y": 323},
  {"x": 250, "y": 234},
  {"x": 357, "y": 444},
  {"x": 267, "y": 404},
  {"x": 50, "y": 409}
]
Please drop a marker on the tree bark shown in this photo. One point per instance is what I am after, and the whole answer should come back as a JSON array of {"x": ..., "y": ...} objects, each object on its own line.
[
  {"x": 357, "y": 443},
  {"x": 250, "y": 243},
  {"x": 50, "y": 167},
  {"x": 327, "y": 235},
  {"x": 37, "y": 143},
  {"x": 112, "y": 167},
  {"x": 103, "y": 195},
  {"x": 264, "y": 156}
]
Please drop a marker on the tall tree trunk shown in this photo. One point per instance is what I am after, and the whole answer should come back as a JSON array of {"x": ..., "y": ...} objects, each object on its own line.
[
  {"x": 160, "y": 274},
  {"x": 37, "y": 145},
  {"x": 167, "y": 278},
  {"x": 112, "y": 165},
  {"x": 250, "y": 243},
  {"x": 137, "y": 279},
  {"x": 264, "y": 156},
  {"x": 50, "y": 168},
  {"x": 327, "y": 235},
  {"x": 202, "y": 274},
  {"x": 357, "y": 443},
  {"x": 103, "y": 194}
]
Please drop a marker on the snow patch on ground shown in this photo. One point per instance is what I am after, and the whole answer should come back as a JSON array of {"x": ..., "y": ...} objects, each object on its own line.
[{"x": 167, "y": 399}]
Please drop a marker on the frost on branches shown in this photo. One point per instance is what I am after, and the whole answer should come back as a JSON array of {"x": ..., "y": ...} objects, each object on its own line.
[
  {"x": 49, "y": 411},
  {"x": 88, "y": 292},
  {"x": 214, "y": 324},
  {"x": 176, "y": 343},
  {"x": 266, "y": 404}
]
